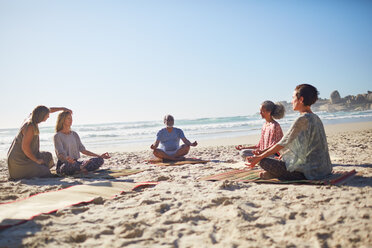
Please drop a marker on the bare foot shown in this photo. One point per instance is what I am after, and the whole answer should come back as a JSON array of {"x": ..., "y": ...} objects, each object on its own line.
[
  {"x": 249, "y": 165},
  {"x": 83, "y": 169},
  {"x": 266, "y": 175}
]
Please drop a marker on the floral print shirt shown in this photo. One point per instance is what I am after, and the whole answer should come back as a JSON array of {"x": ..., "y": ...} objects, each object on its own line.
[
  {"x": 305, "y": 147},
  {"x": 271, "y": 134}
]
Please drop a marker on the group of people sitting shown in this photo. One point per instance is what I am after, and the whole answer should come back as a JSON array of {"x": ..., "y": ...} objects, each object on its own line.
[
  {"x": 302, "y": 153},
  {"x": 25, "y": 159}
]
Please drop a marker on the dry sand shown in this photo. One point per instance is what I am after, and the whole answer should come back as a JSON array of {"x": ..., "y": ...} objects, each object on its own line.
[{"x": 184, "y": 212}]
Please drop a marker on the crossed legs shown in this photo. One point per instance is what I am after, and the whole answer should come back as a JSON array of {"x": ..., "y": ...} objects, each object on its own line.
[
  {"x": 276, "y": 168},
  {"x": 178, "y": 155},
  {"x": 70, "y": 169}
]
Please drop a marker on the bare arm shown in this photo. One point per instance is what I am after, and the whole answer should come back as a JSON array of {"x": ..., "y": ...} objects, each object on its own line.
[
  {"x": 28, "y": 134},
  {"x": 255, "y": 159},
  {"x": 155, "y": 145},
  {"x": 66, "y": 159},
  {"x": 89, "y": 153},
  {"x": 187, "y": 142},
  {"x": 258, "y": 151},
  {"x": 241, "y": 147},
  {"x": 55, "y": 109}
]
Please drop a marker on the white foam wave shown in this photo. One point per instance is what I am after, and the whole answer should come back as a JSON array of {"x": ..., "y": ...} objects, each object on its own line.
[{"x": 141, "y": 132}]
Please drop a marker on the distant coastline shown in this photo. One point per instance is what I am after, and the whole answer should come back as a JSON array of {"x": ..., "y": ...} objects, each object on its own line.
[{"x": 336, "y": 103}]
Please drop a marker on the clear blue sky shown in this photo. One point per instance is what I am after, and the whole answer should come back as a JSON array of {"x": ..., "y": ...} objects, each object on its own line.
[{"x": 112, "y": 61}]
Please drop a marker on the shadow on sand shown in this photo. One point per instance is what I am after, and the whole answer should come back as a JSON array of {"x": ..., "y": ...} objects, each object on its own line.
[
  {"x": 358, "y": 180},
  {"x": 21, "y": 230}
]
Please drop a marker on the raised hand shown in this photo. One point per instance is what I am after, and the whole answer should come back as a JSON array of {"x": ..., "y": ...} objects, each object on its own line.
[
  {"x": 40, "y": 161},
  {"x": 68, "y": 110},
  {"x": 105, "y": 155},
  {"x": 257, "y": 152},
  {"x": 70, "y": 160},
  {"x": 252, "y": 161}
]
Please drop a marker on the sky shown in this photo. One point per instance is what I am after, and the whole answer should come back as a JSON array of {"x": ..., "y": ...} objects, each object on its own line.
[{"x": 118, "y": 61}]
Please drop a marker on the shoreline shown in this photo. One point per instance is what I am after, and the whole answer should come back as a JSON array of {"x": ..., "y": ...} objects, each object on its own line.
[
  {"x": 242, "y": 139},
  {"x": 250, "y": 139}
]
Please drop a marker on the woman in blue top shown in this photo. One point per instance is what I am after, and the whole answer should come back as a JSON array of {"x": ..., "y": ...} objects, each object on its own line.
[
  {"x": 304, "y": 147},
  {"x": 169, "y": 140}
]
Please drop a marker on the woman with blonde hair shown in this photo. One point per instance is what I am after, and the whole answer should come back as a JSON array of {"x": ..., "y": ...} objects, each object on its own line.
[
  {"x": 68, "y": 146},
  {"x": 24, "y": 158}
]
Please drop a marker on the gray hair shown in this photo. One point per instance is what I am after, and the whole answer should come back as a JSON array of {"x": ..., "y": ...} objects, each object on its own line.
[
  {"x": 276, "y": 110},
  {"x": 169, "y": 120}
]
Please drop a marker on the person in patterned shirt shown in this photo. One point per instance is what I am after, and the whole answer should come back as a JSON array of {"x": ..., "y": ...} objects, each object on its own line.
[
  {"x": 271, "y": 131},
  {"x": 304, "y": 148}
]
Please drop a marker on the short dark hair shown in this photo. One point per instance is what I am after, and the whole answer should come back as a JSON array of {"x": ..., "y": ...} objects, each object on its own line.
[{"x": 308, "y": 92}]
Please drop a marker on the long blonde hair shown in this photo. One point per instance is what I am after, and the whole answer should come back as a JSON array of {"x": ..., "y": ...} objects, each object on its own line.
[
  {"x": 61, "y": 119},
  {"x": 37, "y": 116}
]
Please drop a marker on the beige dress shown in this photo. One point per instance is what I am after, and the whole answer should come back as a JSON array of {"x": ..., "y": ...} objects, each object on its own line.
[{"x": 20, "y": 166}]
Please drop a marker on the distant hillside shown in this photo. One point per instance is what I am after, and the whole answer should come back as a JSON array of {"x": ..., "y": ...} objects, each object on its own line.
[{"x": 337, "y": 103}]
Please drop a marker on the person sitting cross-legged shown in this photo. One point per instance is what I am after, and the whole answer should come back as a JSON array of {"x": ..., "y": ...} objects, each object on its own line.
[
  {"x": 271, "y": 131},
  {"x": 169, "y": 139},
  {"x": 304, "y": 147},
  {"x": 68, "y": 148}
]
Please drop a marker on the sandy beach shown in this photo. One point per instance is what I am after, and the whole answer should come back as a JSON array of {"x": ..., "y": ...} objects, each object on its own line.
[{"x": 182, "y": 211}]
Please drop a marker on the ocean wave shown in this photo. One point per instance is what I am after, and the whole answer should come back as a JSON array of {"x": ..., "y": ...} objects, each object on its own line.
[
  {"x": 118, "y": 126},
  {"x": 206, "y": 121},
  {"x": 153, "y": 131},
  {"x": 94, "y": 135},
  {"x": 100, "y": 136},
  {"x": 6, "y": 140}
]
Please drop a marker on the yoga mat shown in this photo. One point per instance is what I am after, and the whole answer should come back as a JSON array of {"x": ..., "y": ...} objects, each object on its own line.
[
  {"x": 108, "y": 173},
  {"x": 19, "y": 211},
  {"x": 253, "y": 175},
  {"x": 160, "y": 162}
]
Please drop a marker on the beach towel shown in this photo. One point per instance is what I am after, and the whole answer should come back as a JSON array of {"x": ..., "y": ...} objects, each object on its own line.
[
  {"x": 19, "y": 211},
  {"x": 160, "y": 162},
  {"x": 253, "y": 175}
]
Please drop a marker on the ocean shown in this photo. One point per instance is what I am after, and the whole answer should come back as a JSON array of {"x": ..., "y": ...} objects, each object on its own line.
[{"x": 116, "y": 135}]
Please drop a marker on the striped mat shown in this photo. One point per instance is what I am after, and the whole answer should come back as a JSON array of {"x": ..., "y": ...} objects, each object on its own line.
[
  {"x": 253, "y": 175},
  {"x": 104, "y": 173}
]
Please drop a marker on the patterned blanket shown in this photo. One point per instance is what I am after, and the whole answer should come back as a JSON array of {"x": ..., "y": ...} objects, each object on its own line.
[{"x": 253, "y": 175}]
